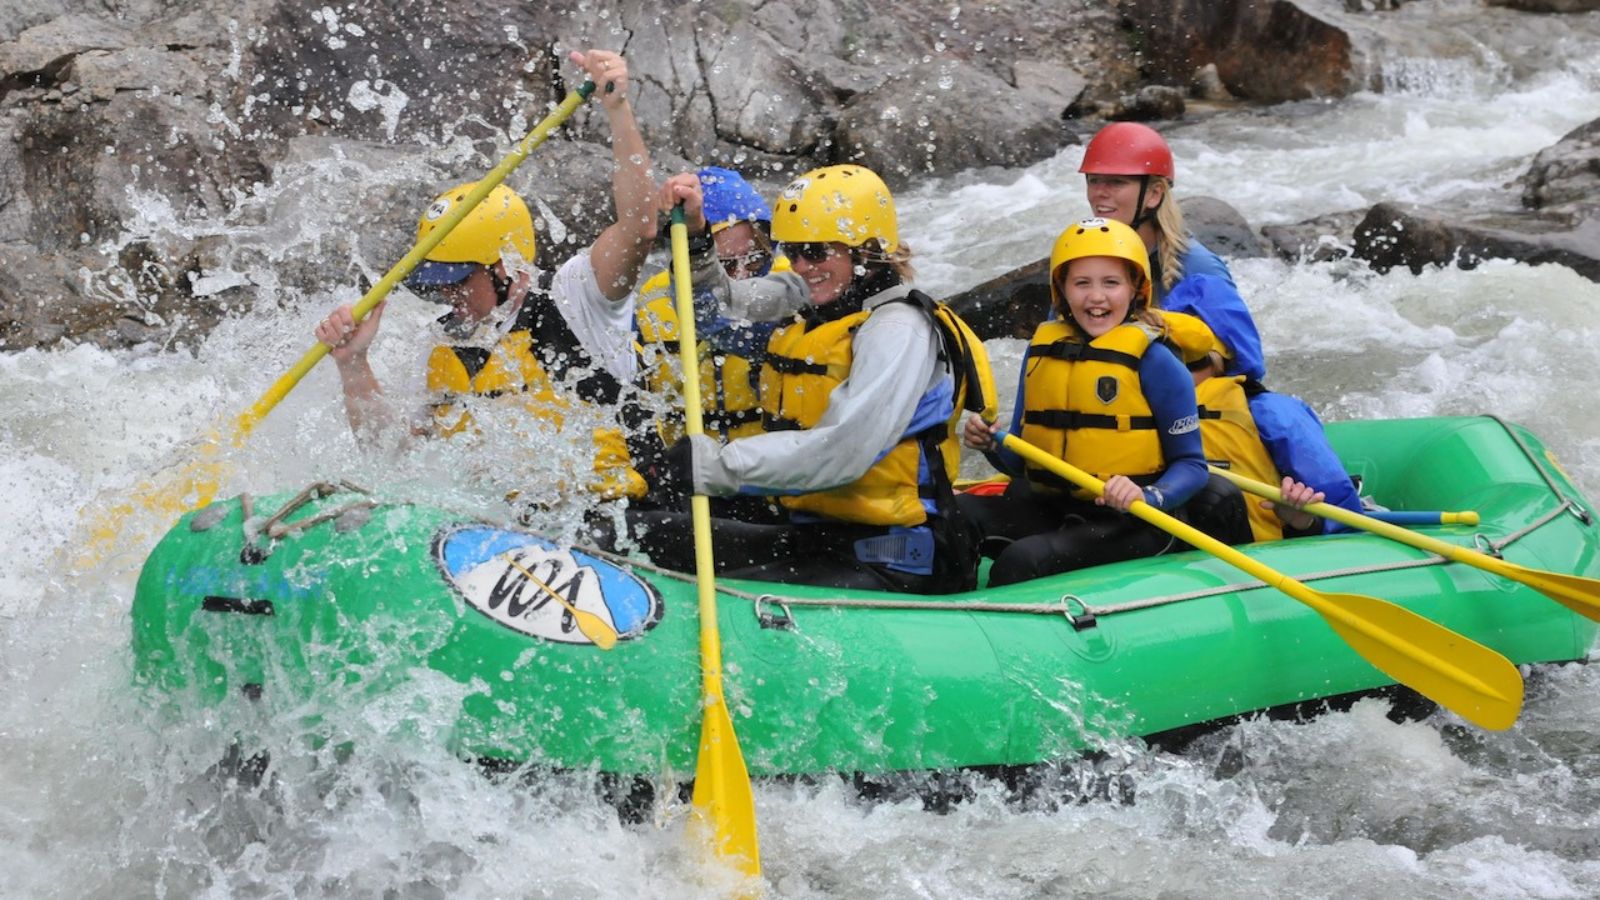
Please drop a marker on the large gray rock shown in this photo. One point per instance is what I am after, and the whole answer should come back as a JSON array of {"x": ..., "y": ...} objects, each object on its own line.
[
  {"x": 944, "y": 116},
  {"x": 1566, "y": 177},
  {"x": 1265, "y": 50},
  {"x": 1393, "y": 235},
  {"x": 1548, "y": 6}
]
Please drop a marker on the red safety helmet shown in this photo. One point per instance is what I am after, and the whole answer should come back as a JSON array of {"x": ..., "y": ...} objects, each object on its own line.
[{"x": 1127, "y": 148}]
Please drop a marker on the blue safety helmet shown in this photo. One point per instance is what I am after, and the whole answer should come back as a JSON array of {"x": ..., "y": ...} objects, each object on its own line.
[{"x": 730, "y": 199}]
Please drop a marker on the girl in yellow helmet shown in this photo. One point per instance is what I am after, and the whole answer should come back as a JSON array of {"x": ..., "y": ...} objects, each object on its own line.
[
  {"x": 860, "y": 389},
  {"x": 1103, "y": 391}
]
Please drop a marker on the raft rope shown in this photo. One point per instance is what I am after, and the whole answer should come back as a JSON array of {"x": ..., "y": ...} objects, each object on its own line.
[
  {"x": 276, "y": 528},
  {"x": 1567, "y": 503}
]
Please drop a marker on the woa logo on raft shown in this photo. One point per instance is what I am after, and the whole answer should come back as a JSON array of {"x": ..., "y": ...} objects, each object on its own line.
[{"x": 532, "y": 586}]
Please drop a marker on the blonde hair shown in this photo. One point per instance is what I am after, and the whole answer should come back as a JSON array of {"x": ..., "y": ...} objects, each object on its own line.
[
  {"x": 899, "y": 260},
  {"x": 1172, "y": 238}
]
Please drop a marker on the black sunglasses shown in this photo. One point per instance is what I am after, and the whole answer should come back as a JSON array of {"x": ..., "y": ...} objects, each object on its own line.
[
  {"x": 749, "y": 263},
  {"x": 811, "y": 251}
]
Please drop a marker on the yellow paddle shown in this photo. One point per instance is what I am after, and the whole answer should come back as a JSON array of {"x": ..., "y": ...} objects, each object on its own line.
[
  {"x": 1575, "y": 592},
  {"x": 1460, "y": 674},
  {"x": 589, "y": 625},
  {"x": 185, "y": 487},
  {"x": 722, "y": 796}
]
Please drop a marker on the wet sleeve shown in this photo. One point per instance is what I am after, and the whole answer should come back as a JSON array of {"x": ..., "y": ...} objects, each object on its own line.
[
  {"x": 604, "y": 326},
  {"x": 1169, "y": 389},
  {"x": 894, "y": 360},
  {"x": 766, "y": 298},
  {"x": 1299, "y": 447}
]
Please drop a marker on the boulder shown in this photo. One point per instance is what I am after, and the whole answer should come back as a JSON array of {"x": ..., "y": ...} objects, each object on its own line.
[
  {"x": 1393, "y": 235},
  {"x": 1565, "y": 177},
  {"x": 1221, "y": 228},
  {"x": 1320, "y": 239},
  {"x": 944, "y": 116},
  {"x": 1548, "y": 6},
  {"x": 1265, "y": 50}
]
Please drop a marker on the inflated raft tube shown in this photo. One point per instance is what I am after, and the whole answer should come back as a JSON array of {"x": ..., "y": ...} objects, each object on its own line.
[{"x": 333, "y": 596}]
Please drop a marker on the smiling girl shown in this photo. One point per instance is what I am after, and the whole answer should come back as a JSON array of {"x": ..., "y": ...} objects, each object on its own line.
[{"x": 1102, "y": 391}]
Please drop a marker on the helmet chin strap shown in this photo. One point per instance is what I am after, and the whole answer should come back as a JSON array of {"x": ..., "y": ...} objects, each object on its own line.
[
  {"x": 1140, "y": 215},
  {"x": 502, "y": 286}
]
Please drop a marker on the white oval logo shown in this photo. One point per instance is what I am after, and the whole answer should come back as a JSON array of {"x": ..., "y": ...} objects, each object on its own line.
[
  {"x": 439, "y": 208},
  {"x": 796, "y": 189},
  {"x": 532, "y": 586}
]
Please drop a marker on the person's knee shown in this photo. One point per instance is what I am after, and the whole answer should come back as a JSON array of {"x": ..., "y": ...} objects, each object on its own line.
[{"x": 1219, "y": 510}]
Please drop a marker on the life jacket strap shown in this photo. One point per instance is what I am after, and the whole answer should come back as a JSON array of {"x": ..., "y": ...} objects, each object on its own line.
[
  {"x": 1073, "y": 351},
  {"x": 1066, "y": 420}
]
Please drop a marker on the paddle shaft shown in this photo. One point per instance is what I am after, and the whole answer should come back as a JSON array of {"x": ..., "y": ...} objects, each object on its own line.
[
  {"x": 722, "y": 783},
  {"x": 1577, "y": 593},
  {"x": 1184, "y": 532},
  {"x": 286, "y": 383}
]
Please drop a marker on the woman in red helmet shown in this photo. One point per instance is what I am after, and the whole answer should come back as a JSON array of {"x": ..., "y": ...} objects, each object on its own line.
[{"x": 1129, "y": 176}]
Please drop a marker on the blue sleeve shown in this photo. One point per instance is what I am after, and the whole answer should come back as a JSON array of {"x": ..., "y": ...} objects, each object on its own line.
[
  {"x": 1299, "y": 448},
  {"x": 1202, "y": 260},
  {"x": 1169, "y": 389},
  {"x": 1217, "y": 303}
]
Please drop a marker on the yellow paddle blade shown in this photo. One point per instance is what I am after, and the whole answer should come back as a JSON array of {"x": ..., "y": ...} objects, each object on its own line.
[
  {"x": 163, "y": 498},
  {"x": 722, "y": 798},
  {"x": 1575, "y": 592},
  {"x": 1455, "y": 672}
]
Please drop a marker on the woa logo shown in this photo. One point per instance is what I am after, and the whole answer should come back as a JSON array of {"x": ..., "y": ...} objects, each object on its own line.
[{"x": 533, "y": 586}]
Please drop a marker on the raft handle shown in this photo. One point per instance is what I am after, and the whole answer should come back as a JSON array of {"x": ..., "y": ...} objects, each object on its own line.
[
  {"x": 215, "y": 603},
  {"x": 778, "y": 621},
  {"x": 1080, "y": 620},
  {"x": 1484, "y": 545}
]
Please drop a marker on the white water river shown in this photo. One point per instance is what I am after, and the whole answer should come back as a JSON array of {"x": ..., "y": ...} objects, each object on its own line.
[{"x": 98, "y": 801}]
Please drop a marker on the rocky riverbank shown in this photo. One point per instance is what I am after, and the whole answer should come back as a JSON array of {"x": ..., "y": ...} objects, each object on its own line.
[{"x": 152, "y": 151}]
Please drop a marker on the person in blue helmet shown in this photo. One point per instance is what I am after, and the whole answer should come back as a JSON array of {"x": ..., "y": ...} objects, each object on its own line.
[
  {"x": 739, "y": 228},
  {"x": 740, "y": 231},
  {"x": 1129, "y": 174}
]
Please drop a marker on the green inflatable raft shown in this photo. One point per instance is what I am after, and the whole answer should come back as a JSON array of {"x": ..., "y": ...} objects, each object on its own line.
[{"x": 330, "y": 594}]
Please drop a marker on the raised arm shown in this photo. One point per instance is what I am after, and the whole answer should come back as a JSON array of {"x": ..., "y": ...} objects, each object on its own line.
[
  {"x": 364, "y": 404},
  {"x": 619, "y": 252}
]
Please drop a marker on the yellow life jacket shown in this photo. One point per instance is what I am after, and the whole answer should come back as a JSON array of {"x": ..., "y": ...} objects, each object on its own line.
[
  {"x": 1232, "y": 441},
  {"x": 729, "y": 400},
  {"x": 803, "y": 366},
  {"x": 1084, "y": 404},
  {"x": 1189, "y": 336},
  {"x": 512, "y": 368}
]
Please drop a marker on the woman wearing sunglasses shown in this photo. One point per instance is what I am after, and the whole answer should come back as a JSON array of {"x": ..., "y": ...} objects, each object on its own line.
[{"x": 860, "y": 387}]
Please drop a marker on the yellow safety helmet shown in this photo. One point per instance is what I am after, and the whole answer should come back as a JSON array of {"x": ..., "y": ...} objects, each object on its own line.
[
  {"x": 1100, "y": 237},
  {"x": 501, "y": 221},
  {"x": 848, "y": 204}
]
